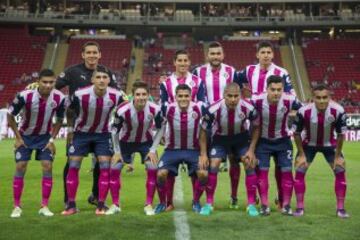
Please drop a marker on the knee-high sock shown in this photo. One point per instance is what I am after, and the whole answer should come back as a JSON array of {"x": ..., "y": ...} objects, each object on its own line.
[
  {"x": 161, "y": 187},
  {"x": 340, "y": 189},
  {"x": 103, "y": 184},
  {"x": 72, "y": 183},
  {"x": 211, "y": 187},
  {"x": 234, "y": 179},
  {"x": 65, "y": 173},
  {"x": 46, "y": 184},
  {"x": 170, "y": 183},
  {"x": 96, "y": 174},
  {"x": 115, "y": 185},
  {"x": 263, "y": 183},
  {"x": 150, "y": 186},
  {"x": 199, "y": 188},
  {"x": 18, "y": 186},
  {"x": 300, "y": 188},
  {"x": 287, "y": 184},
  {"x": 279, "y": 184},
  {"x": 251, "y": 183}
]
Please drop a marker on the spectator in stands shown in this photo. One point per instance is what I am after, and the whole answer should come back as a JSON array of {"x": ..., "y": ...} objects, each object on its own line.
[{"x": 132, "y": 63}]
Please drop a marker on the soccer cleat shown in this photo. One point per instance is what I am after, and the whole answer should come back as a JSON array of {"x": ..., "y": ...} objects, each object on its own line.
[
  {"x": 170, "y": 207},
  {"x": 264, "y": 210},
  {"x": 161, "y": 207},
  {"x": 286, "y": 210},
  {"x": 44, "y": 211},
  {"x": 69, "y": 211},
  {"x": 196, "y": 207},
  {"x": 299, "y": 212},
  {"x": 100, "y": 211},
  {"x": 206, "y": 210},
  {"x": 149, "y": 210},
  {"x": 341, "y": 213},
  {"x": 114, "y": 209},
  {"x": 252, "y": 211},
  {"x": 16, "y": 213},
  {"x": 233, "y": 203},
  {"x": 92, "y": 200}
]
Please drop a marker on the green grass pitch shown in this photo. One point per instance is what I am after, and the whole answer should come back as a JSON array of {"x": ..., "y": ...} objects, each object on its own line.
[{"x": 319, "y": 221}]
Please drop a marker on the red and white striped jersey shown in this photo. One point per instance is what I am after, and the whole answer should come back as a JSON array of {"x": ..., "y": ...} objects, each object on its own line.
[
  {"x": 215, "y": 80},
  {"x": 321, "y": 127},
  {"x": 256, "y": 77},
  {"x": 227, "y": 122},
  {"x": 274, "y": 117},
  {"x": 37, "y": 112},
  {"x": 136, "y": 126},
  {"x": 167, "y": 88},
  {"x": 183, "y": 128},
  {"x": 93, "y": 112}
]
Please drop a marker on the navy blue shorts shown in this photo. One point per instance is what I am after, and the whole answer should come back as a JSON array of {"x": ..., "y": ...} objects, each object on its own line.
[
  {"x": 280, "y": 149},
  {"x": 171, "y": 159},
  {"x": 236, "y": 145},
  {"x": 37, "y": 143},
  {"x": 84, "y": 143},
  {"x": 127, "y": 149},
  {"x": 328, "y": 152}
]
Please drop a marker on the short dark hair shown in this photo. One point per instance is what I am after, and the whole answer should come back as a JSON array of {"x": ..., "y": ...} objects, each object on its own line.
[
  {"x": 214, "y": 45},
  {"x": 232, "y": 85},
  {"x": 274, "y": 79},
  {"x": 102, "y": 69},
  {"x": 182, "y": 87},
  {"x": 320, "y": 87},
  {"x": 179, "y": 52},
  {"x": 264, "y": 44},
  {"x": 46, "y": 73},
  {"x": 139, "y": 84},
  {"x": 90, "y": 43}
]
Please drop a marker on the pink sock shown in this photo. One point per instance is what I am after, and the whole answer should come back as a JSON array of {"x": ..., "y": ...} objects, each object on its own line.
[
  {"x": 287, "y": 184},
  {"x": 161, "y": 188},
  {"x": 251, "y": 184},
  {"x": 72, "y": 183},
  {"x": 263, "y": 183},
  {"x": 18, "y": 186},
  {"x": 115, "y": 185},
  {"x": 46, "y": 184},
  {"x": 103, "y": 183},
  {"x": 170, "y": 183},
  {"x": 211, "y": 187},
  {"x": 234, "y": 178},
  {"x": 199, "y": 189},
  {"x": 340, "y": 189},
  {"x": 150, "y": 186},
  {"x": 299, "y": 187},
  {"x": 278, "y": 184}
]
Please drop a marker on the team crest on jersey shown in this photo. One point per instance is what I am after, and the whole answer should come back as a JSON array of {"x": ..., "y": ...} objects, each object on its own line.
[
  {"x": 150, "y": 116},
  {"x": 213, "y": 151},
  {"x": 62, "y": 74},
  {"x": 284, "y": 110},
  {"x": 161, "y": 163},
  {"x": 194, "y": 115},
  {"x": 242, "y": 116},
  {"x": 53, "y": 104},
  {"x": 16, "y": 100},
  {"x": 18, "y": 155},
  {"x": 71, "y": 149},
  {"x": 331, "y": 119},
  {"x": 192, "y": 84},
  {"x": 226, "y": 75}
]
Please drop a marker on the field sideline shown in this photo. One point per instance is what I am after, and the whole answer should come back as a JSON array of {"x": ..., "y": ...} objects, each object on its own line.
[{"x": 318, "y": 223}]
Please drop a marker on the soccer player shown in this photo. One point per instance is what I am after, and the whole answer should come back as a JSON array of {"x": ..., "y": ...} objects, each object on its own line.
[
  {"x": 216, "y": 75},
  {"x": 92, "y": 107},
  {"x": 76, "y": 77},
  {"x": 227, "y": 118},
  {"x": 36, "y": 132},
  {"x": 167, "y": 95},
  {"x": 324, "y": 124},
  {"x": 253, "y": 79},
  {"x": 133, "y": 125},
  {"x": 181, "y": 144},
  {"x": 274, "y": 107}
]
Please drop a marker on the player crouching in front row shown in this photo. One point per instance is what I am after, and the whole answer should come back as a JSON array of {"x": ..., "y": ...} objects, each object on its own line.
[{"x": 36, "y": 132}]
